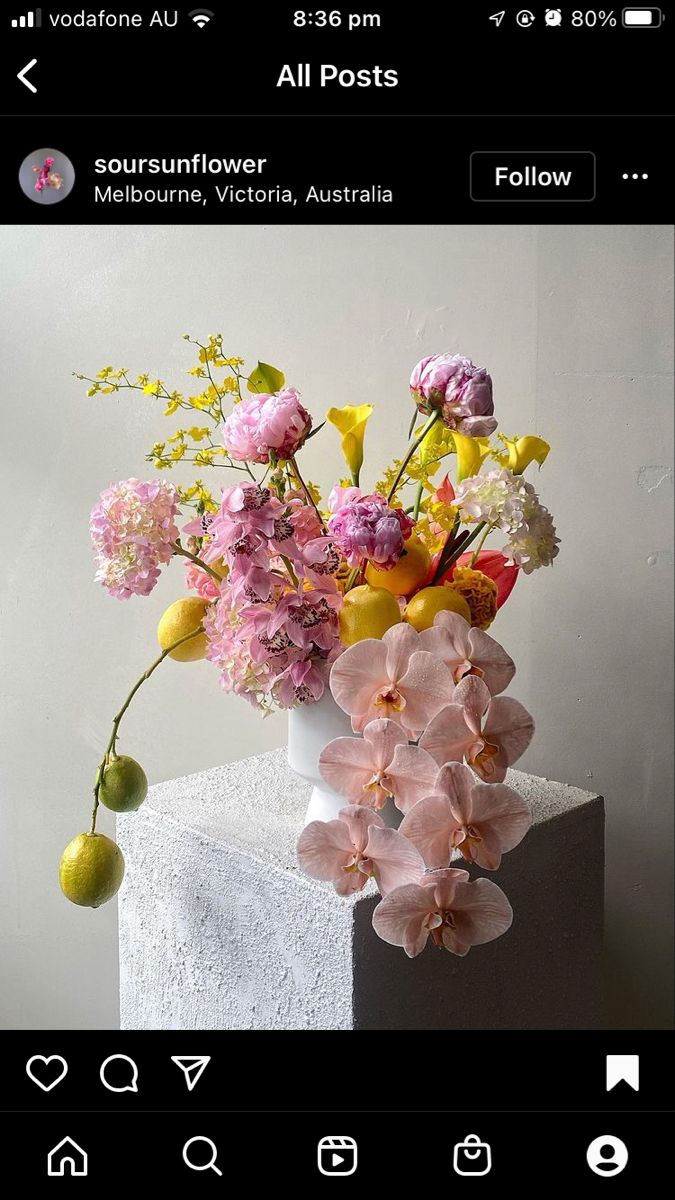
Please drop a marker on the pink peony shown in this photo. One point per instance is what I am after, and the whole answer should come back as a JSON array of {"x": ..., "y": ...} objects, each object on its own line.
[
  {"x": 481, "y": 820},
  {"x": 367, "y": 528},
  {"x": 132, "y": 527},
  {"x": 445, "y": 906},
  {"x": 264, "y": 425},
  {"x": 381, "y": 764},
  {"x": 341, "y": 496},
  {"x": 355, "y": 847},
  {"x": 459, "y": 389},
  {"x": 490, "y": 734}
]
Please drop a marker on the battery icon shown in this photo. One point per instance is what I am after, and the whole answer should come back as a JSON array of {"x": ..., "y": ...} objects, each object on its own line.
[{"x": 641, "y": 18}]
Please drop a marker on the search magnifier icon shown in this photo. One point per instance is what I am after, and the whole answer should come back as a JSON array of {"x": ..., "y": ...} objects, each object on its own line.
[{"x": 189, "y": 1158}]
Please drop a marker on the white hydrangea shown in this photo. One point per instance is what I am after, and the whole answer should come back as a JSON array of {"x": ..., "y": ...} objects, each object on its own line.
[
  {"x": 506, "y": 501},
  {"x": 499, "y": 498},
  {"x": 535, "y": 543}
]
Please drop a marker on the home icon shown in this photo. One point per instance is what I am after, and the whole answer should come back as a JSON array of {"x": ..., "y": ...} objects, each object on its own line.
[{"x": 67, "y": 1159}]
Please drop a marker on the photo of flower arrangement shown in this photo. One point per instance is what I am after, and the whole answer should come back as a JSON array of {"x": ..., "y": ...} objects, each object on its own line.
[{"x": 378, "y": 602}]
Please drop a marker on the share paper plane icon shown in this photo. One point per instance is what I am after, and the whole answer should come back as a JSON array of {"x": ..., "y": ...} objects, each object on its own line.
[{"x": 192, "y": 1067}]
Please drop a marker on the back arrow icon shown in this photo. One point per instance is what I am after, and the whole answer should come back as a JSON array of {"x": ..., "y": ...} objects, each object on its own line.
[{"x": 24, "y": 71}]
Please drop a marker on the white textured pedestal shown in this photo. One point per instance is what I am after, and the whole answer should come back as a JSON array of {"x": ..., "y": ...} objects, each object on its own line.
[{"x": 219, "y": 929}]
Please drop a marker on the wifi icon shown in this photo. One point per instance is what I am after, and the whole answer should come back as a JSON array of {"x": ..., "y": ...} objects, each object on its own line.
[{"x": 201, "y": 16}]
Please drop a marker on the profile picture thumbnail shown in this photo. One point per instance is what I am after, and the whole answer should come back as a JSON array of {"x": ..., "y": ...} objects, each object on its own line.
[{"x": 47, "y": 176}]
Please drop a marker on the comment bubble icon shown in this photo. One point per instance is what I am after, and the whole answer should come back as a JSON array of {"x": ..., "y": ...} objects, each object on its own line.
[{"x": 119, "y": 1073}]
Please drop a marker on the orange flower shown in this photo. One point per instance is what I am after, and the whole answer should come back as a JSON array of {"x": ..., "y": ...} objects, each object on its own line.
[{"x": 480, "y": 593}]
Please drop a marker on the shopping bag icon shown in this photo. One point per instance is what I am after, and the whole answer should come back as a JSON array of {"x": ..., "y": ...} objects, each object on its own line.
[{"x": 472, "y": 1157}]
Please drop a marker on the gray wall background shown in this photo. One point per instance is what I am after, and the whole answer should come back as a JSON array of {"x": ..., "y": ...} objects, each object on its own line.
[{"x": 575, "y": 324}]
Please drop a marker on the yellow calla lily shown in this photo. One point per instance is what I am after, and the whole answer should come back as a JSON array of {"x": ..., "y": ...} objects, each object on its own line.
[
  {"x": 351, "y": 422},
  {"x": 522, "y": 451},
  {"x": 470, "y": 453}
]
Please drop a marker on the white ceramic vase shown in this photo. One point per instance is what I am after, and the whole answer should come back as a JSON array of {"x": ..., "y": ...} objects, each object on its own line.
[{"x": 310, "y": 728}]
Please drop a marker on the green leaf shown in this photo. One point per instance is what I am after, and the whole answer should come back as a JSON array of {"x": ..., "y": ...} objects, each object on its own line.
[
  {"x": 266, "y": 379},
  {"x": 316, "y": 430}
]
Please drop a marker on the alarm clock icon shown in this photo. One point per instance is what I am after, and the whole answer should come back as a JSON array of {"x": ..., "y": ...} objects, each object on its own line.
[{"x": 553, "y": 16}]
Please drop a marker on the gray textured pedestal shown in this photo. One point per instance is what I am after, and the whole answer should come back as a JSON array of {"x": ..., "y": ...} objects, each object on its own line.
[{"x": 220, "y": 930}]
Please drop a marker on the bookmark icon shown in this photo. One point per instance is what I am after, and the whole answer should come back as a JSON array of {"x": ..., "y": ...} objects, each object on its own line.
[{"x": 623, "y": 1067}]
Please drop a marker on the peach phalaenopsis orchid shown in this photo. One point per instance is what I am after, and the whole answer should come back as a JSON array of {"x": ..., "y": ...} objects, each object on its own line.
[
  {"x": 481, "y": 820},
  {"x": 445, "y": 906},
  {"x": 355, "y": 847},
  {"x": 466, "y": 650},
  {"x": 393, "y": 677},
  {"x": 490, "y": 734},
  {"x": 380, "y": 765}
]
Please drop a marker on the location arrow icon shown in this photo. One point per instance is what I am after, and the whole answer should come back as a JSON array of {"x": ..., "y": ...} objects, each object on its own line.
[
  {"x": 193, "y": 1067},
  {"x": 498, "y": 17}
]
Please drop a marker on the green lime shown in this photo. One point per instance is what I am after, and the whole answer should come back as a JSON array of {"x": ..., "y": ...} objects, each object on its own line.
[{"x": 124, "y": 785}]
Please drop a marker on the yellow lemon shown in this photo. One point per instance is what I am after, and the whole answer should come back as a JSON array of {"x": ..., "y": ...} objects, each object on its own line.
[
  {"x": 181, "y": 618},
  {"x": 410, "y": 571},
  {"x": 91, "y": 870},
  {"x": 367, "y": 612},
  {"x": 124, "y": 785},
  {"x": 423, "y": 608}
]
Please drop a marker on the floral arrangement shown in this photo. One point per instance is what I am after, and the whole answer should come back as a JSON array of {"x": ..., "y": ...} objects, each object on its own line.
[
  {"x": 382, "y": 596},
  {"x": 46, "y": 177}
]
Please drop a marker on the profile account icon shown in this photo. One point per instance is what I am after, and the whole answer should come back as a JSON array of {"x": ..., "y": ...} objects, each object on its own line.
[{"x": 607, "y": 1155}]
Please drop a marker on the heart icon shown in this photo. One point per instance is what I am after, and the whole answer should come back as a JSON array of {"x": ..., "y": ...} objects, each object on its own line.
[{"x": 52, "y": 1070}]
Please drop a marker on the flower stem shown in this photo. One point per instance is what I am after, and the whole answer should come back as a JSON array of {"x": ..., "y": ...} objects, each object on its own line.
[
  {"x": 289, "y": 567},
  {"x": 416, "y": 442},
  {"x": 308, "y": 494},
  {"x": 352, "y": 578},
  {"x": 453, "y": 548},
  {"x": 479, "y": 547},
  {"x": 418, "y": 501},
  {"x": 178, "y": 549},
  {"x": 110, "y": 748}
]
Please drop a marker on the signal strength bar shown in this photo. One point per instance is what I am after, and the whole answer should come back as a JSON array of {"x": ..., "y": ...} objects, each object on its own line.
[{"x": 32, "y": 20}]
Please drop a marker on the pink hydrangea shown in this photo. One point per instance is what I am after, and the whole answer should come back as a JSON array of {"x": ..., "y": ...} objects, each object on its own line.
[
  {"x": 132, "y": 527},
  {"x": 197, "y": 580},
  {"x": 367, "y": 528},
  {"x": 264, "y": 425},
  {"x": 461, "y": 390}
]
